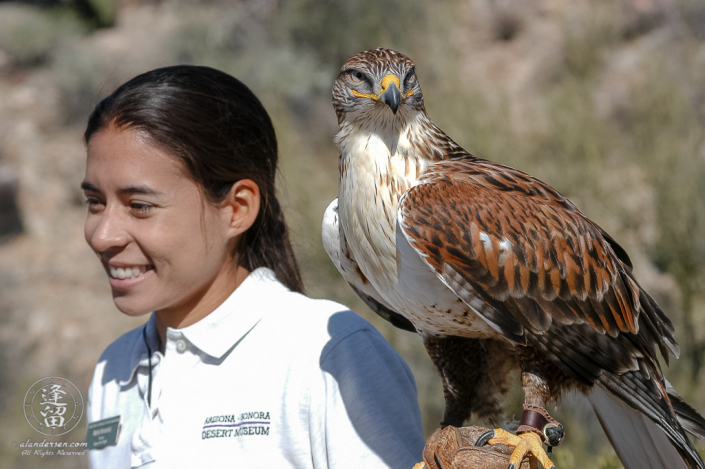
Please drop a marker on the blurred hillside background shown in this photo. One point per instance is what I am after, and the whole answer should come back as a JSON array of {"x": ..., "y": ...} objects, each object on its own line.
[{"x": 602, "y": 99}]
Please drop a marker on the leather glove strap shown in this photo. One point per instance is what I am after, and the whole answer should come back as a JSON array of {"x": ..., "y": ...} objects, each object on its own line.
[{"x": 537, "y": 420}]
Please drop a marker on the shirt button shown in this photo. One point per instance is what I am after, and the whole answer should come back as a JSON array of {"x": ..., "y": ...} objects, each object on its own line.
[{"x": 180, "y": 345}]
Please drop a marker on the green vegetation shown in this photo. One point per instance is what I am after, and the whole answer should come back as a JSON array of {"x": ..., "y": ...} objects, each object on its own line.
[{"x": 29, "y": 36}]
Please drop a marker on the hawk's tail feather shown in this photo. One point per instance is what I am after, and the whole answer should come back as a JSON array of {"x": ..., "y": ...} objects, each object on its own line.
[
  {"x": 688, "y": 417},
  {"x": 660, "y": 327},
  {"x": 638, "y": 440}
]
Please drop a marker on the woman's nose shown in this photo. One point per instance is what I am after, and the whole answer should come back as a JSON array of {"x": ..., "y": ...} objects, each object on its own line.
[{"x": 109, "y": 231}]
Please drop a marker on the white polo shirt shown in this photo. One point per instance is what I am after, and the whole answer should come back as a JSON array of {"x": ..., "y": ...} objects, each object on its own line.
[{"x": 270, "y": 379}]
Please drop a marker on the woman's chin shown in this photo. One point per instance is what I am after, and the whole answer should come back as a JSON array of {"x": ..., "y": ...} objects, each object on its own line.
[{"x": 128, "y": 308}]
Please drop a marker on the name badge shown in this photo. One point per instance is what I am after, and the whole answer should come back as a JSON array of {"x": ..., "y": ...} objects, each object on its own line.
[{"x": 103, "y": 433}]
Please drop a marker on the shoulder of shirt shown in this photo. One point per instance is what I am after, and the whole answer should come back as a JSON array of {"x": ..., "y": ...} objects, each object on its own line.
[
  {"x": 121, "y": 357},
  {"x": 128, "y": 341},
  {"x": 296, "y": 313},
  {"x": 330, "y": 331}
]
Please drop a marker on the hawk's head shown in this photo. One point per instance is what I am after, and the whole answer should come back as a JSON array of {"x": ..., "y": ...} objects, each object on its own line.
[{"x": 377, "y": 83}]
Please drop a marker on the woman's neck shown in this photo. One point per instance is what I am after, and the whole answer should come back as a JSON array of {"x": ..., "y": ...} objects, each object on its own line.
[{"x": 212, "y": 295}]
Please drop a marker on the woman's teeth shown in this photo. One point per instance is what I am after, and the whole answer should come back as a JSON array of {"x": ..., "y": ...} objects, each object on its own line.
[{"x": 127, "y": 272}]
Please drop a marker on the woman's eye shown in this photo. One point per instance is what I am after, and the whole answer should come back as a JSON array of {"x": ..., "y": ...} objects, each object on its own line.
[
  {"x": 357, "y": 77},
  {"x": 94, "y": 204},
  {"x": 140, "y": 207}
]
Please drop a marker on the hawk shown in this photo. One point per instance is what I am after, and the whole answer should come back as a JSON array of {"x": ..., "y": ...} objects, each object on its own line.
[{"x": 496, "y": 271}]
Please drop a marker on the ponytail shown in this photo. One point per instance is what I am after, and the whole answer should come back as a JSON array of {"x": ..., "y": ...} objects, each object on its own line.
[{"x": 266, "y": 244}]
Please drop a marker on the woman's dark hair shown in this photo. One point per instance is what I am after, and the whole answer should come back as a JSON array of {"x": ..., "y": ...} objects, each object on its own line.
[{"x": 220, "y": 131}]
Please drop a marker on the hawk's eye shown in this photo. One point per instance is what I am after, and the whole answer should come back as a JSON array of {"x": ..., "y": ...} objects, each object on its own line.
[
  {"x": 411, "y": 76},
  {"x": 357, "y": 76}
]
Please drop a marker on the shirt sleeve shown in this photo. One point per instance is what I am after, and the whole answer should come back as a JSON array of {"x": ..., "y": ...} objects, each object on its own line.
[{"x": 369, "y": 410}]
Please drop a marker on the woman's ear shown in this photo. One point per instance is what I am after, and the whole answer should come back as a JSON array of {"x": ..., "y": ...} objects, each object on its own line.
[{"x": 244, "y": 200}]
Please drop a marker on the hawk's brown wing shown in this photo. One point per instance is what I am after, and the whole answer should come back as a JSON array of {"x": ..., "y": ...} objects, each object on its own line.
[
  {"x": 548, "y": 277},
  {"x": 535, "y": 261}
]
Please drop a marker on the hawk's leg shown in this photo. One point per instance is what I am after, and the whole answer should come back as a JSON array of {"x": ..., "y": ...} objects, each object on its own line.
[
  {"x": 474, "y": 373},
  {"x": 536, "y": 426}
]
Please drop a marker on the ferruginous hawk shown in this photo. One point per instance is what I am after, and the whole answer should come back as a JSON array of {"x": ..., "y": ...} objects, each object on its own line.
[{"x": 496, "y": 270}]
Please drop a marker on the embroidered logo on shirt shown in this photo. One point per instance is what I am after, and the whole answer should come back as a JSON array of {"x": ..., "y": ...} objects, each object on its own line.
[{"x": 230, "y": 426}]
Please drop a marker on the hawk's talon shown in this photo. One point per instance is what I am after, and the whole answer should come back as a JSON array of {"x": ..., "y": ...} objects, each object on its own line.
[
  {"x": 484, "y": 438},
  {"x": 524, "y": 444}
]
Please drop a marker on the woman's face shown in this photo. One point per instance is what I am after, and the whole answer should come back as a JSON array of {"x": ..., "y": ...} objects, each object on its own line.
[{"x": 163, "y": 246}]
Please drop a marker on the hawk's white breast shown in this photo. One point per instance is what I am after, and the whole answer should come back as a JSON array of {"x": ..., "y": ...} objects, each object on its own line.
[{"x": 377, "y": 165}]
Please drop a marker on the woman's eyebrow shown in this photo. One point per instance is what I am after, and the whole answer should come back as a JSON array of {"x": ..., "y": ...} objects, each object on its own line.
[
  {"x": 139, "y": 189},
  {"x": 87, "y": 186}
]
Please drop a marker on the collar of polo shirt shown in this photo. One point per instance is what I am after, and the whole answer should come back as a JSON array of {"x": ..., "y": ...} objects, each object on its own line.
[{"x": 216, "y": 334}]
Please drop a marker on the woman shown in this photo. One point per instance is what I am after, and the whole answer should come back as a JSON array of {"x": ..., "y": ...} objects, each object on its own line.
[{"x": 235, "y": 367}]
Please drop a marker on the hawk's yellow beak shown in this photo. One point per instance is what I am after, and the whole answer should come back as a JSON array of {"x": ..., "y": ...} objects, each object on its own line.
[
  {"x": 390, "y": 95},
  {"x": 388, "y": 80}
]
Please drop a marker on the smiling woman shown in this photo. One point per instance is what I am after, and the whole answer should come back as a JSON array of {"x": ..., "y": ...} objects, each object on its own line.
[{"x": 234, "y": 365}]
